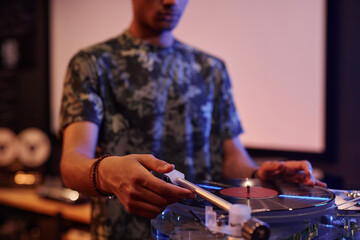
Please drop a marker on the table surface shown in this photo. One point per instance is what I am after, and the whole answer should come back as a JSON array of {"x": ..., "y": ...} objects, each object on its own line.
[{"x": 27, "y": 199}]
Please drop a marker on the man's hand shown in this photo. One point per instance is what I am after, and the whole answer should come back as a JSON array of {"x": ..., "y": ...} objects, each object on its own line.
[
  {"x": 141, "y": 193},
  {"x": 292, "y": 171}
]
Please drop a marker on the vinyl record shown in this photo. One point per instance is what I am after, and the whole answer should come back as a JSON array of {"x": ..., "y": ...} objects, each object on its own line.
[
  {"x": 273, "y": 201},
  {"x": 34, "y": 147},
  {"x": 8, "y": 147}
]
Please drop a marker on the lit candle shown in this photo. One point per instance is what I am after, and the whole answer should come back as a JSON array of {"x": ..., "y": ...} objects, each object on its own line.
[{"x": 247, "y": 185}]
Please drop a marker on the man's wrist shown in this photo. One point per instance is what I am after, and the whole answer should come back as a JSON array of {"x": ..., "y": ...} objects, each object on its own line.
[{"x": 94, "y": 177}]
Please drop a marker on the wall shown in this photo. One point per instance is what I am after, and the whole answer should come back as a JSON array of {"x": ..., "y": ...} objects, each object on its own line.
[
  {"x": 274, "y": 50},
  {"x": 24, "y": 100},
  {"x": 343, "y": 77}
]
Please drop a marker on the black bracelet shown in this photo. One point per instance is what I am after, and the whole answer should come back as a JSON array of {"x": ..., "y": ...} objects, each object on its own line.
[
  {"x": 95, "y": 177},
  {"x": 253, "y": 175}
]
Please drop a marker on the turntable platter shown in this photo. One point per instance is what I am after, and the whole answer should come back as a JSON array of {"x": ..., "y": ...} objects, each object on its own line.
[
  {"x": 274, "y": 201},
  {"x": 249, "y": 192}
]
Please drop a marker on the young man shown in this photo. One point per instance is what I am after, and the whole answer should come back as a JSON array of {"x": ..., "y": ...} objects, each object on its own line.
[{"x": 144, "y": 96}]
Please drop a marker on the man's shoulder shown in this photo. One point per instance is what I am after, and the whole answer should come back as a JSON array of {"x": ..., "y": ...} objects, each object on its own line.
[
  {"x": 108, "y": 46},
  {"x": 200, "y": 54}
]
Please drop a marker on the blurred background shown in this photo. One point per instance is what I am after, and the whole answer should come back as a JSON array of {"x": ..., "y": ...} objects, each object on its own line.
[{"x": 294, "y": 67}]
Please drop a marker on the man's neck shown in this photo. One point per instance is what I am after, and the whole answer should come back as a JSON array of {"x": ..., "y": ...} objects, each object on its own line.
[{"x": 162, "y": 39}]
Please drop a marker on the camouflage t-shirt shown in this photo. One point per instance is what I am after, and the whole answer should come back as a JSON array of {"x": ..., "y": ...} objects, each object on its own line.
[{"x": 175, "y": 103}]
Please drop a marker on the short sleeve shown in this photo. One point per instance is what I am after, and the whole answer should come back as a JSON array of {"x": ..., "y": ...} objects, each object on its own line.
[
  {"x": 229, "y": 121},
  {"x": 81, "y": 100}
]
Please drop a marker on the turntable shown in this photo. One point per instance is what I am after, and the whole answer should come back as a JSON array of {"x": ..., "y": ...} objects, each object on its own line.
[{"x": 279, "y": 210}]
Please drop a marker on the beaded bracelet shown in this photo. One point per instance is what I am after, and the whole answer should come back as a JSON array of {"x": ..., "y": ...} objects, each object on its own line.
[{"x": 94, "y": 176}]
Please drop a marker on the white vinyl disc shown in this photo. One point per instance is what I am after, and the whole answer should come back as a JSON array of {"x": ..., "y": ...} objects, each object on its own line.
[
  {"x": 34, "y": 146},
  {"x": 8, "y": 147}
]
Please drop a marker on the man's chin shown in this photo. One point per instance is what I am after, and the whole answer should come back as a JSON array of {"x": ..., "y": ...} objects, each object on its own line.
[{"x": 166, "y": 26}]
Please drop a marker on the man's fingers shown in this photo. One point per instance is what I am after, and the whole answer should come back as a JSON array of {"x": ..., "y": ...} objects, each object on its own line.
[
  {"x": 151, "y": 163},
  {"x": 147, "y": 180},
  {"x": 167, "y": 189},
  {"x": 320, "y": 183},
  {"x": 292, "y": 171},
  {"x": 275, "y": 166},
  {"x": 144, "y": 202},
  {"x": 305, "y": 167},
  {"x": 295, "y": 166},
  {"x": 271, "y": 169},
  {"x": 145, "y": 195},
  {"x": 157, "y": 198}
]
